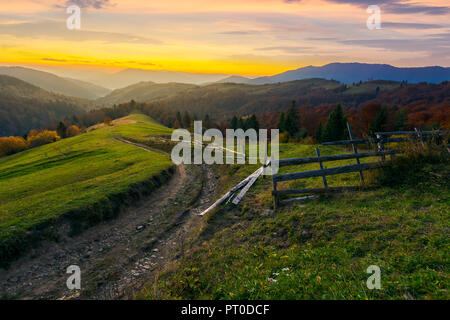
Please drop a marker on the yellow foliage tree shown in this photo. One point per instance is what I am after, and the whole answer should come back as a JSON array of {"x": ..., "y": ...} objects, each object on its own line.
[
  {"x": 72, "y": 131},
  {"x": 107, "y": 121},
  {"x": 38, "y": 138},
  {"x": 11, "y": 145}
]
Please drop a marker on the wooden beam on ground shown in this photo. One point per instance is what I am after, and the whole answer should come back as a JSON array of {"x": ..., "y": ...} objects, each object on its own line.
[
  {"x": 300, "y": 199},
  {"x": 229, "y": 193},
  {"x": 249, "y": 184}
]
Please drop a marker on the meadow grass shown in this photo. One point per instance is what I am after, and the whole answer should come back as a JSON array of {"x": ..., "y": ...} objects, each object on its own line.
[
  {"x": 40, "y": 185},
  {"x": 320, "y": 249}
]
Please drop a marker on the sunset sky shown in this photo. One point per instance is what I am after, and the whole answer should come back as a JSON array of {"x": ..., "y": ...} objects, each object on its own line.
[{"x": 247, "y": 37}]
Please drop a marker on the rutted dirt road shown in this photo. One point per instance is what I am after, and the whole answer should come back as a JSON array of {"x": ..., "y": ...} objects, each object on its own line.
[{"x": 119, "y": 256}]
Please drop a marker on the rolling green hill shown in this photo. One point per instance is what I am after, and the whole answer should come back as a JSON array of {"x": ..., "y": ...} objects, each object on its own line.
[{"x": 83, "y": 179}]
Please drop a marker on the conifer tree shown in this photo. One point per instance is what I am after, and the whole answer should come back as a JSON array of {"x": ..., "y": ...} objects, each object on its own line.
[{"x": 336, "y": 128}]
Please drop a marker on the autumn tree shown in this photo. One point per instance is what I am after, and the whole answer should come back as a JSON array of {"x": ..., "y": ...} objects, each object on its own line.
[
  {"x": 38, "y": 138},
  {"x": 72, "y": 131},
  {"x": 11, "y": 145},
  {"x": 107, "y": 121}
]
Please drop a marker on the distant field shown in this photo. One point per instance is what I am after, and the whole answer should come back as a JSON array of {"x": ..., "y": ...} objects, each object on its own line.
[
  {"x": 74, "y": 175},
  {"x": 371, "y": 86}
]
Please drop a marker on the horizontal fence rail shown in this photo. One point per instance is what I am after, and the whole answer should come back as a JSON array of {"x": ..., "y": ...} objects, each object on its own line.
[
  {"x": 297, "y": 161},
  {"x": 316, "y": 190},
  {"x": 381, "y": 139},
  {"x": 325, "y": 172},
  {"x": 364, "y": 141},
  {"x": 411, "y": 132}
]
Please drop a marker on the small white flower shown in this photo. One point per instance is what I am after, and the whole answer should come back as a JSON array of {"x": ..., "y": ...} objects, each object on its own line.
[
  {"x": 285, "y": 269},
  {"x": 275, "y": 274},
  {"x": 271, "y": 280}
]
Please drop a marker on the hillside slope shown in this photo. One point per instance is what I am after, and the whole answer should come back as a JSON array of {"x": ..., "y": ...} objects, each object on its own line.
[
  {"x": 24, "y": 106},
  {"x": 223, "y": 100},
  {"x": 143, "y": 91},
  {"x": 84, "y": 179}
]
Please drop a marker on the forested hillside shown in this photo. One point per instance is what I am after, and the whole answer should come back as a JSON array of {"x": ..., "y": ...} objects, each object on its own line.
[
  {"x": 143, "y": 91},
  {"x": 406, "y": 105},
  {"x": 24, "y": 107}
]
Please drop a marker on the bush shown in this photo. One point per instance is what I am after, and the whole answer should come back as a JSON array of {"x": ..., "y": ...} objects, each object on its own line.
[
  {"x": 107, "y": 121},
  {"x": 413, "y": 165},
  {"x": 11, "y": 145},
  {"x": 72, "y": 131},
  {"x": 38, "y": 138}
]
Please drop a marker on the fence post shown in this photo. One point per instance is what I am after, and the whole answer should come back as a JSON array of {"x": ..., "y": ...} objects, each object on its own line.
[
  {"x": 324, "y": 178},
  {"x": 380, "y": 144},
  {"x": 355, "y": 149},
  {"x": 264, "y": 164},
  {"x": 419, "y": 136},
  {"x": 274, "y": 183}
]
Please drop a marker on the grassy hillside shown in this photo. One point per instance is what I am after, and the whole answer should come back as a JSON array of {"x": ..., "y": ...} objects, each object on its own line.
[
  {"x": 84, "y": 179},
  {"x": 320, "y": 249}
]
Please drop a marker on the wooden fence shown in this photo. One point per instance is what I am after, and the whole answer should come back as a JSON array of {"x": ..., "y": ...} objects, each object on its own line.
[{"x": 381, "y": 139}]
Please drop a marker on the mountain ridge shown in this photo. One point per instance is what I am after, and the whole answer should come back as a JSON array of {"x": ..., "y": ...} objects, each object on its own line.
[
  {"x": 53, "y": 83},
  {"x": 348, "y": 73}
]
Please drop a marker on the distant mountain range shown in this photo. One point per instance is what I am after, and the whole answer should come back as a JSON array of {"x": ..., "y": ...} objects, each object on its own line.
[
  {"x": 53, "y": 83},
  {"x": 129, "y": 77},
  {"x": 355, "y": 72}
]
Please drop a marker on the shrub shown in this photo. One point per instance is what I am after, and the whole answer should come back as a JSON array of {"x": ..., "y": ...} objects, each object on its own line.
[
  {"x": 38, "y": 138},
  {"x": 107, "y": 121},
  {"x": 413, "y": 165},
  {"x": 11, "y": 145},
  {"x": 72, "y": 131}
]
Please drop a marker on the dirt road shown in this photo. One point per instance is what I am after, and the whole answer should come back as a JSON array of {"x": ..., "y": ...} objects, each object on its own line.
[{"x": 118, "y": 256}]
